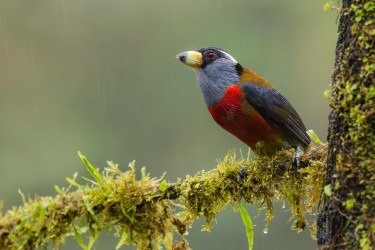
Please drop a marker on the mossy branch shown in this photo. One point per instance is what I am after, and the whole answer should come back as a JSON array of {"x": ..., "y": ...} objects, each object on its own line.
[{"x": 147, "y": 212}]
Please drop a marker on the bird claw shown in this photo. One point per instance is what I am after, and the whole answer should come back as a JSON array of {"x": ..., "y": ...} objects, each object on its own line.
[
  {"x": 297, "y": 156},
  {"x": 241, "y": 174}
]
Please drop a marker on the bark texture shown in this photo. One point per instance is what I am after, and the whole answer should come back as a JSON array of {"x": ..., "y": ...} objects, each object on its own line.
[{"x": 347, "y": 218}]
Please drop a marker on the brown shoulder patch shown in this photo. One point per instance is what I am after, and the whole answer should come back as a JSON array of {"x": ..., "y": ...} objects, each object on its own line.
[{"x": 249, "y": 76}]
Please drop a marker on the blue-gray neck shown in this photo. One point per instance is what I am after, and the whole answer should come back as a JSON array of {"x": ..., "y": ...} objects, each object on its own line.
[{"x": 214, "y": 79}]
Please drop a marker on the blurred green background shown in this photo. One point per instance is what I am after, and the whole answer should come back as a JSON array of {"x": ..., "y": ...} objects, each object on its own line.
[{"x": 101, "y": 77}]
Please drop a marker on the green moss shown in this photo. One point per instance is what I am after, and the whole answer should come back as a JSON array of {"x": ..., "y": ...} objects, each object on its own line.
[
  {"x": 353, "y": 96},
  {"x": 141, "y": 211}
]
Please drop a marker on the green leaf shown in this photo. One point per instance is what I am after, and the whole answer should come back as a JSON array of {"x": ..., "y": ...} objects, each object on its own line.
[
  {"x": 328, "y": 6},
  {"x": 93, "y": 237},
  {"x": 248, "y": 226},
  {"x": 92, "y": 170},
  {"x": 123, "y": 240},
  {"x": 368, "y": 22},
  {"x": 72, "y": 182},
  {"x": 349, "y": 204},
  {"x": 79, "y": 239},
  {"x": 314, "y": 137},
  {"x": 328, "y": 190},
  {"x": 86, "y": 201},
  {"x": 126, "y": 214},
  {"x": 369, "y": 6},
  {"x": 163, "y": 186},
  {"x": 58, "y": 190},
  {"x": 327, "y": 93},
  {"x": 22, "y": 196},
  {"x": 89, "y": 180},
  {"x": 42, "y": 214},
  {"x": 23, "y": 222}
]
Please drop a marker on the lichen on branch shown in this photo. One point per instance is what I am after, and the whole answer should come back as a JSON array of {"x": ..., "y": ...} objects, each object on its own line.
[{"x": 149, "y": 212}]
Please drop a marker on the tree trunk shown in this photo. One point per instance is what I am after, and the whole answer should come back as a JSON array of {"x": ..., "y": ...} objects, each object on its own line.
[{"x": 347, "y": 218}]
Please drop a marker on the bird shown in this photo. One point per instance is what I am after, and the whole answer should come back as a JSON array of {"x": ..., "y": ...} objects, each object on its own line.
[{"x": 247, "y": 105}]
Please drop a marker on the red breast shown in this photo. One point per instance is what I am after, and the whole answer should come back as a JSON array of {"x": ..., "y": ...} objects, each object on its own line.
[{"x": 235, "y": 115}]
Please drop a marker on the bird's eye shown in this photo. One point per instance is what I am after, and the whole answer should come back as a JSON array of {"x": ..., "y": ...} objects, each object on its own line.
[{"x": 211, "y": 56}]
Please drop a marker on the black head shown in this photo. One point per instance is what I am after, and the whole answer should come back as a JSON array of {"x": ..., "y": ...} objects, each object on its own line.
[
  {"x": 205, "y": 56},
  {"x": 211, "y": 54}
]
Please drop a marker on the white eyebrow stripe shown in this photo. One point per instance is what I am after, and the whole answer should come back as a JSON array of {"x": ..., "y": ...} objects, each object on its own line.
[{"x": 229, "y": 56}]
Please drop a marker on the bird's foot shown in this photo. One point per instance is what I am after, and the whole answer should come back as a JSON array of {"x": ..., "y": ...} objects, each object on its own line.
[
  {"x": 297, "y": 156},
  {"x": 241, "y": 174}
]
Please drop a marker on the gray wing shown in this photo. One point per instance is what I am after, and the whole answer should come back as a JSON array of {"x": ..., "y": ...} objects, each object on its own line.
[{"x": 278, "y": 112}]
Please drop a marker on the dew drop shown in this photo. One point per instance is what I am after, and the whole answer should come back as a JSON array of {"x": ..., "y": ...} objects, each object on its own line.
[{"x": 265, "y": 231}]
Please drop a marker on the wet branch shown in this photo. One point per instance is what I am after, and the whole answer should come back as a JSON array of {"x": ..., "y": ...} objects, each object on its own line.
[{"x": 146, "y": 212}]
